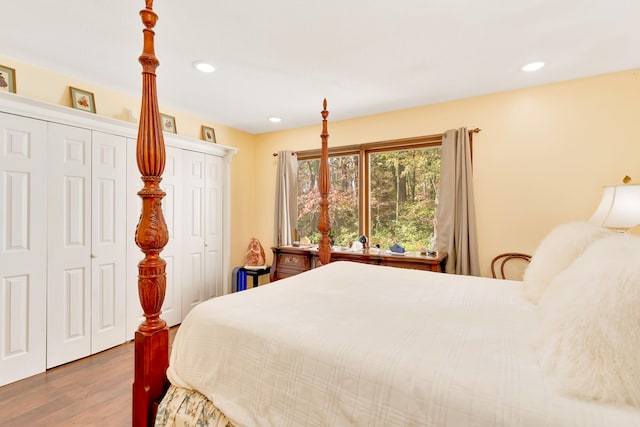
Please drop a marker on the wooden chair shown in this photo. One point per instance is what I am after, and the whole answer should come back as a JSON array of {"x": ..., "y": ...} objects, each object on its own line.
[{"x": 502, "y": 259}]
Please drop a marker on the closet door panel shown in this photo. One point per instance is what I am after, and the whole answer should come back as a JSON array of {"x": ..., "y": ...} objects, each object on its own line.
[
  {"x": 23, "y": 210},
  {"x": 108, "y": 248},
  {"x": 213, "y": 285},
  {"x": 69, "y": 244},
  {"x": 172, "y": 254},
  {"x": 193, "y": 254},
  {"x": 134, "y": 254}
]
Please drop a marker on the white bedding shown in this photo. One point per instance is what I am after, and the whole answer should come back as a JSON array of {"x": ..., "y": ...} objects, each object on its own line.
[{"x": 355, "y": 344}]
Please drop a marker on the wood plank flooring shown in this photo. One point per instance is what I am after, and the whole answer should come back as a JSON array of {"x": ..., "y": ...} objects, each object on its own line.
[{"x": 94, "y": 391}]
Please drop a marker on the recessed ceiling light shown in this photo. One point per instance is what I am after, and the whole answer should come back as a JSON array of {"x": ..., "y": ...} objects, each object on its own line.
[
  {"x": 275, "y": 119},
  {"x": 533, "y": 66},
  {"x": 205, "y": 67}
]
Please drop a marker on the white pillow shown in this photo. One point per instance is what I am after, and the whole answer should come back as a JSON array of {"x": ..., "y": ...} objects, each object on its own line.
[
  {"x": 557, "y": 251},
  {"x": 589, "y": 336}
]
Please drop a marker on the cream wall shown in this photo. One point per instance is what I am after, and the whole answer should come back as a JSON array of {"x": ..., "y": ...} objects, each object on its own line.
[
  {"x": 542, "y": 157},
  {"x": 49, "y": 86}
]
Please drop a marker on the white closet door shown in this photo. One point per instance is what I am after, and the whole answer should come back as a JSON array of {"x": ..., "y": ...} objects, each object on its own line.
[
  {"x": 23, "y": 210},
  {"x": 172, "y": 254},
  {"x": 172, "y": 210},
  {"x": 193, "y": 255},
  {"x": 134, "y": 254},
  {"x": 213, "y": 284},
  {"x": 108, "y": 247},
  {"x": 69, "y": 244}
]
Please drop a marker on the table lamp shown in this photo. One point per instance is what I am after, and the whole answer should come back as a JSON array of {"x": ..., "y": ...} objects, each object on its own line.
[{"x": 619, "y": 208}]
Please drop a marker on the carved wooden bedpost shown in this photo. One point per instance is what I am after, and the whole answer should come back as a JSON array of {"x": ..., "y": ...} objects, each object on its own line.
[
  {"x": 324, "y": 225},
  {"x": 152, "y": 336}
]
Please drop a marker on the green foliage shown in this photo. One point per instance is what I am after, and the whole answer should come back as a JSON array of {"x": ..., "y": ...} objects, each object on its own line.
[
  {"x": 403, "y": 197},
  {"x": 343, "y": 199}
]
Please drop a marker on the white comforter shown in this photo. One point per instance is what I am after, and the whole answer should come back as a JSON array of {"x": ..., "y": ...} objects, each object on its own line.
[{"x": 354, "y": 344}]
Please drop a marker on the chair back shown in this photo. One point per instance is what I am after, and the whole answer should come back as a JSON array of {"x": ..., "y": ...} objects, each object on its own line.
[{"x": 499, "y": 263}]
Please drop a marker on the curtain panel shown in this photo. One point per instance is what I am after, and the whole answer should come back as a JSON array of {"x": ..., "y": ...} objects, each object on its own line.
[
  {"x": 456, "y": 219},
  {"x": 286, "y": 200}
]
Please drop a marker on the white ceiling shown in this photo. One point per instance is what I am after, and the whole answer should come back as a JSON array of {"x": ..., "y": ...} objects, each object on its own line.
[{"x": 282, "y": 57}]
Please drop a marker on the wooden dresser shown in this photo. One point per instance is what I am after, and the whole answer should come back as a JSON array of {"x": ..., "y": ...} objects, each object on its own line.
[{"x": 289, "y": 260}]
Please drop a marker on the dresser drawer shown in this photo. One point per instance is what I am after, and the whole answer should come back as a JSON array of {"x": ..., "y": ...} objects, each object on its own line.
[
  {"x": 289, "y": 262},
  {"x": 425, "y": 264},
  {"x": 295, "y": 261},
  {"x": 283, "y": 274}
]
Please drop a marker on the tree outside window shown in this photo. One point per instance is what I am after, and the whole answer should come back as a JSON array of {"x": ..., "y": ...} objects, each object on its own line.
[
  {"x": 400, "y": 179},
  {"x": 343, "y": 199},
  {"x": 403, "y": 193}
]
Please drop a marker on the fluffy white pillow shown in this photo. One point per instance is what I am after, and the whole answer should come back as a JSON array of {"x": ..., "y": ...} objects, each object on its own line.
[
  {"x": 589, "y": 337},
  {"x": 557, "y": 251}
]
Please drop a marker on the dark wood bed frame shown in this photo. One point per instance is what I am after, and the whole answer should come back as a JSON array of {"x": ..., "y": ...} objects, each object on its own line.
[{"x": 152, "y": 337}]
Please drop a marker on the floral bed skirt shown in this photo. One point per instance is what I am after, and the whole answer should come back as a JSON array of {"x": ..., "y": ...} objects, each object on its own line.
[{"x": 187, "y": 408}]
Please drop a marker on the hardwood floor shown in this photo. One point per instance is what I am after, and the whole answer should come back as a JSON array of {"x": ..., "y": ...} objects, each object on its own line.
[{"x": 94, "y": 391}]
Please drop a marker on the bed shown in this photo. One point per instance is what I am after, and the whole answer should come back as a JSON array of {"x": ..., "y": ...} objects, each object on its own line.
[
  {"x": 356, "y": 344},
  {"x": 353, "y": 344}
]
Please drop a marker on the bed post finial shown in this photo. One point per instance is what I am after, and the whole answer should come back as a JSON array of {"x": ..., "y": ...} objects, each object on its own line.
[
  {"x": 324, "y": 225},
  {"x": 152, "y": 336}
]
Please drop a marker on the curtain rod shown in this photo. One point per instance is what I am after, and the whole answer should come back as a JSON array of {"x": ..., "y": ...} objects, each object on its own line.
[{"x": 475, "y": 130}]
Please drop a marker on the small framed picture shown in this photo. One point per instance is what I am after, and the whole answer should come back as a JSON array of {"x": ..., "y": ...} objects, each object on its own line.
[
  {"x": 7, "y": 79},
  {"x": 208, "y": 134},
  {"x": 168, "y": 123},
  {"x": 82, "y": 100}
]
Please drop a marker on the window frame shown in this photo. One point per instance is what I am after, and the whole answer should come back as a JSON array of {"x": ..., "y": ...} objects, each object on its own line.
[{"x": 363, "y": 151}]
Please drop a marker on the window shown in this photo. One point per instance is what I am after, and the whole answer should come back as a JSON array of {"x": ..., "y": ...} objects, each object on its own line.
[
  {"x": 399, "y": 182},
  {"x": 403, "y": 187},
  {"x": 343, "y": 199}
]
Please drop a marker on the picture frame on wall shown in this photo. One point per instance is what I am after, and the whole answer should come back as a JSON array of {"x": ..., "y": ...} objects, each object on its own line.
[
  {"x": 82, "y": 100},
  {"x": 168, "y": 123},
  {"x": 7, "y": 79},
  {"x": 208, "y": 134}
]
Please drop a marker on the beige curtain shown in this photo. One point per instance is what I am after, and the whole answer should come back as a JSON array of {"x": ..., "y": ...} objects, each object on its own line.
[
  {"x": 286, "y": 200},
  {"x": 456, "y": 220}
]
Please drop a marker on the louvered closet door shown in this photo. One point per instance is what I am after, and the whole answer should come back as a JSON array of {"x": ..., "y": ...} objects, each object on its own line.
[
  {"x": 108, "y": 247},
  {"x": 69, "y": 244},
  {"x": 193, "y": 254},
  {"x": 213, "y": 284},
  {"x": 172, "y": 210},
  {"x": 23, "y": 210}
]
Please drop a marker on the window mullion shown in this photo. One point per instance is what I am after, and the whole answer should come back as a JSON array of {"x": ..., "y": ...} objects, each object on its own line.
[{"x": 364, "y": 192}]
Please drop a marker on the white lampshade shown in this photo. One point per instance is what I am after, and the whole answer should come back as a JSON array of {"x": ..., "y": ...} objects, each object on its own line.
[{"x": 619, "y": 207}]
